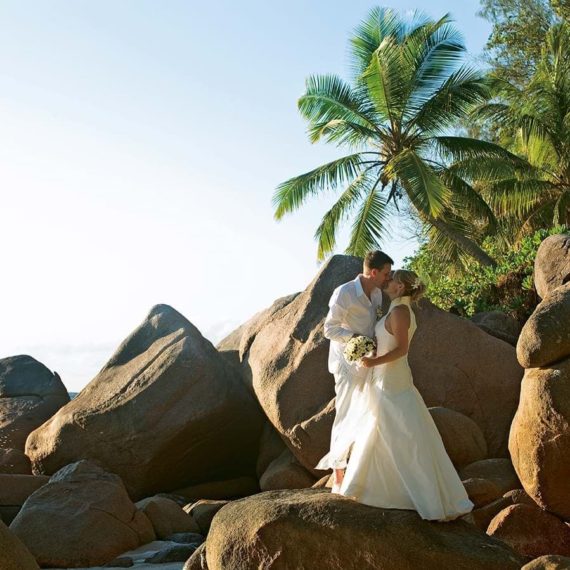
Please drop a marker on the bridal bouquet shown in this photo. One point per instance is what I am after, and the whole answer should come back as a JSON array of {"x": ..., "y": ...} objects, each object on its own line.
[{"x": 357, "y": 347}]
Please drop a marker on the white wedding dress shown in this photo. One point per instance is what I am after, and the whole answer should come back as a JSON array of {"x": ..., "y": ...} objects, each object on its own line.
[{"x": 398, "y": 460}]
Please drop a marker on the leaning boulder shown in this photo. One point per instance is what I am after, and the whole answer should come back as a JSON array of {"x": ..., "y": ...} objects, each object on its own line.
[
  {"x": 166, "y": 411},
  {"x": 266, "y": 530},
  {"x": 545, "y": 337},
  {"x": 82, "y": 517},
  {"x": 552, "y": 264},
  {"x": 284, "y": 354},
  {"x": 540, "y": 437},
  {"x": 29, "y": 395}
]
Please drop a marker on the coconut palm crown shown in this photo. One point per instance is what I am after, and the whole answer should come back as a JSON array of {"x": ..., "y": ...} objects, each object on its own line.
[{"x": 409, "y": 89}]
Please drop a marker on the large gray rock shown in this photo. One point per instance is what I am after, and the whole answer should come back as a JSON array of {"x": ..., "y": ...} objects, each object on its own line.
[
  {"x": 552, "y": 264},
  {"x": 82, "y": 517},
  {"x": 29, "y": 395},
  {"x": 166, "y": 411},
  {"x": 455, "y": 364},
  {"x": 540, "y": 437},
  {"x": 545, "y": 337},
  {"x": 270, "y": 530}
]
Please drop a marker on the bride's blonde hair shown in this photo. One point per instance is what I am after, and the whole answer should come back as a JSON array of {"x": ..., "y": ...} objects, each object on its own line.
[{"x": 413, "y": 285}]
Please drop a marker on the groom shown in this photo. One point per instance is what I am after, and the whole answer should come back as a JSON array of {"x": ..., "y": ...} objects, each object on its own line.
[{"x": 352, "y": 311}]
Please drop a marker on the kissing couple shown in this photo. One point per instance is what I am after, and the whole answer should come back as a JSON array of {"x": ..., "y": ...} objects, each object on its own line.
[{"x": 385, "y": 448}]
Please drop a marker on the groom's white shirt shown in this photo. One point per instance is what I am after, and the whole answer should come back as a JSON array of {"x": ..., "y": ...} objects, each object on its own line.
[{"x": 350, "y": 312}]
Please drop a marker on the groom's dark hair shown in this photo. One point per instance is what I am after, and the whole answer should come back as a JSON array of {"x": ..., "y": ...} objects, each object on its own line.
[{"x": 377, "y": 259}]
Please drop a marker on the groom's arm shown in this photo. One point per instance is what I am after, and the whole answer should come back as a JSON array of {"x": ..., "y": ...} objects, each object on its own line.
[{"x": 334, "y": 328}]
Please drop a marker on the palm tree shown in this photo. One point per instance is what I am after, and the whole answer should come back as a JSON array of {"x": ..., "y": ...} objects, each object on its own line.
[
  {"x": 408, "y": 90},
  {"x": 534, "y": 121}
]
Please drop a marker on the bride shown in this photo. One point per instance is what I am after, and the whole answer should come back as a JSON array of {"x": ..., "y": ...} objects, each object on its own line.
[{"x": 398, "y": 459}]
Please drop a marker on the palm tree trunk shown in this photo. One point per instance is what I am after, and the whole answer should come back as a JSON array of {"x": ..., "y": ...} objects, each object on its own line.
[{"x": 468, "y": 245}]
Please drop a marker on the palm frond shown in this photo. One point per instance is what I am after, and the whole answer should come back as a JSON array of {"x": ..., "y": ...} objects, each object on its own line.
[
  {"x": 562, "y": 210},
  {"x": 461, "y": 92},
  {"x": 379, "y": 24},
  {"x": 369, "y": 224},
  {"x": 518, "y": 196},
  {"x": 292, "y": 193},
  {"x": 464, "y": 148},
  {"x": 328, "y": 98},
  {"x": 467, "y": 200},
  {"x": 342, "y": 132},
  {"x": 422, "y": 184},
  {"x": 385, "y": 84},
  {"x": 339, "y": 212}
]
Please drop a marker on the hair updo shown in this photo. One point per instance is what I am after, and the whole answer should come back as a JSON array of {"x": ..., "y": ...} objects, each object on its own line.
[{"x": 413, "y": 286}]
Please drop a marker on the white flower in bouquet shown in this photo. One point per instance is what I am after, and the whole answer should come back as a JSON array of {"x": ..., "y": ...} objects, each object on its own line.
[{"x": 357, "y": 347}]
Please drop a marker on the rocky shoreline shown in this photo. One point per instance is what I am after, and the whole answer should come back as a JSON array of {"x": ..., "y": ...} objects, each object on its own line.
[{"x": 179, "y": 454}]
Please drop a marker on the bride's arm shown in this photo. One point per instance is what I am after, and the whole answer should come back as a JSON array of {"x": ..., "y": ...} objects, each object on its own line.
[{"x": 400, "y": 321}]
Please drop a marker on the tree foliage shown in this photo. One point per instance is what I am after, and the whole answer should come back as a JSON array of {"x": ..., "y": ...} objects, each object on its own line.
[{"x": 410, "y": 88}]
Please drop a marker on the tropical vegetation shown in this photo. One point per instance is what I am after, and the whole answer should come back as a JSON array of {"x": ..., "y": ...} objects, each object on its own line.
[{"x": 477, "y": 159}]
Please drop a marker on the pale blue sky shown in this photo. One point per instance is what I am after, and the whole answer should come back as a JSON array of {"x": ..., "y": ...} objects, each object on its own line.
[{"x": 140, "y": 144}]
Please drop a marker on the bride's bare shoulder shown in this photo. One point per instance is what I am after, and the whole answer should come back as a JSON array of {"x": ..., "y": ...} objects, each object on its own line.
[{"x": 401, "y": 313}]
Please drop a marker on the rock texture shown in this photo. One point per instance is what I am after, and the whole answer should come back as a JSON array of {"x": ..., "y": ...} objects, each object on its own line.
[
  {"x": 499, "y": 325},
  {"x": 548, "y": 562},
  {"x": 166, "y": 517},
  {"x": 545, "y": 337},
  {"x": 271, "y": 446},
  {"x": 531, "y": 531},
  {"x": 285, "y": 472},
  {"x": 540, "y": 437},
  {"x": 498, "y": 470},
  {"x": 463, "y": 439},
  {"x": 203, "y": 512},
  {"x": 270, "y": 530},
  {"x": 13, "y": 553},
  {"x": 90, "y": 518},
  {"x": 227, "y": 489},
  {"x": 14, "y": 490},
  {"x": 476, "y": 374},
  {"x": 29, "y": 395},
  {"x": 481, "y": 491},
  {"x": 14, "y": 461},
  {"x": 552, "y": 264},
  {"x": 166, "y": 411}
]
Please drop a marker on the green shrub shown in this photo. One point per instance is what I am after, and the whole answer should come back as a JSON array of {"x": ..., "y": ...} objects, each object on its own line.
[{"x": 508, "y": 287}]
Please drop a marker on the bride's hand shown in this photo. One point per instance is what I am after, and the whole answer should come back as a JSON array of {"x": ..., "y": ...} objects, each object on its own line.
[{"x": 368, "y": 361}]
